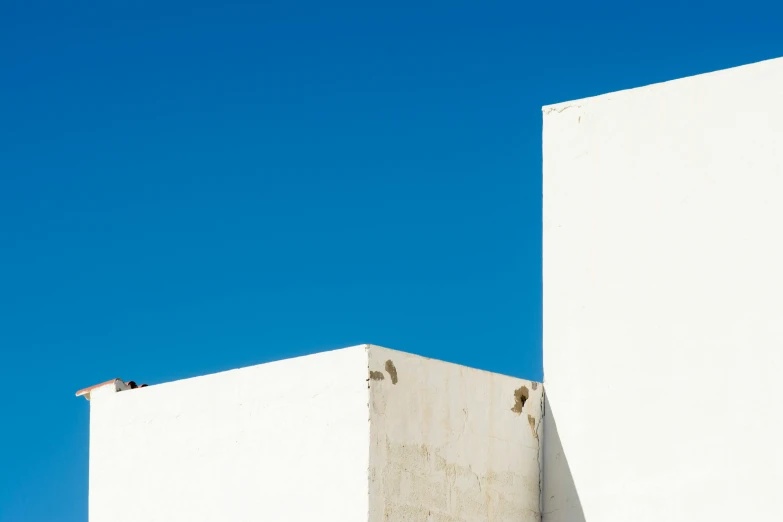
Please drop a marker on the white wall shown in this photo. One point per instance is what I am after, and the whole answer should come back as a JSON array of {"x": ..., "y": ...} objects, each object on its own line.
[
  {"x": 448, "y": 445},
  {"x": 277, "y": 442},
  {"x": 663, "y": 301}
]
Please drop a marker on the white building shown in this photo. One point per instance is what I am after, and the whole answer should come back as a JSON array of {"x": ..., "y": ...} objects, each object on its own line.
[
  {"x": 663, "y": 345},
  {"x": 663, "y": 301},
  {"x": 358, "y": 434}
]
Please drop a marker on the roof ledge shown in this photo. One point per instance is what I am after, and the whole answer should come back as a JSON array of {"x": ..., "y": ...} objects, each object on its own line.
[{"x": 112, "y": 386}]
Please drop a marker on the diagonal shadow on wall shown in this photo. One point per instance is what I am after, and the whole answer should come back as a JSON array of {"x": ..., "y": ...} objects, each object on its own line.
[{"x": 560, "y": 499}]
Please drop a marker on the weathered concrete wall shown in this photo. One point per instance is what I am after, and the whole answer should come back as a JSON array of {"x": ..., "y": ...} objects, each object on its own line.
[
  {"x": 280, "y": 441},
  {"x": 450, "y": 443},
  {"x": 663, "y": 315}
]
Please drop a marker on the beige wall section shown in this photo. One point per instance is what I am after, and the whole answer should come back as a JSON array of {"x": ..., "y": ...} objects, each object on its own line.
[
  {"x": 663, "y": 301},
  {"x": 281, "y": 441},
  {"x": 450, "y": 443}
]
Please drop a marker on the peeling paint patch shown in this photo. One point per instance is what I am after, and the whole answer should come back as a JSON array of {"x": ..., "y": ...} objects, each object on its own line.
[
  {"x": 532, "y": 421},
  {"x": 392, "y": 370},
  {"x": 520, "y": 398},
  {"x": 376, "y": 376},
  {"x": 420, "y": 484}
]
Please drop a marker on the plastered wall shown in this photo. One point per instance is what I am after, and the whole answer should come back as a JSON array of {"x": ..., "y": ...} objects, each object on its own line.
[
  {"x": 276, "y": 442},
  {"x": 663, "y": 301},
  {"x": 450, "y": 443}
]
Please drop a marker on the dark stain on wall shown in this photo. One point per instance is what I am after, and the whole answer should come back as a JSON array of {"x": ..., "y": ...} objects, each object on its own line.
[
  {"x": 392, "y": 371},
  {"x": 520, "y": 398},
  {"x": 532, "y": 421}
]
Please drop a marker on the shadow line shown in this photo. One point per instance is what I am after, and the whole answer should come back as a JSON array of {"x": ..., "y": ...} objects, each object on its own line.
[{"x": 560, "y": 499}]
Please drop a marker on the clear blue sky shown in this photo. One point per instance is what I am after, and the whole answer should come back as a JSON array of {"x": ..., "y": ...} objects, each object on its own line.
[{"x": 189, "y": 187}]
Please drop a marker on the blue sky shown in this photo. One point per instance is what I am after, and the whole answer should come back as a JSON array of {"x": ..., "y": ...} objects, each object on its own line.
[{"x": 192, "y": 187}]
